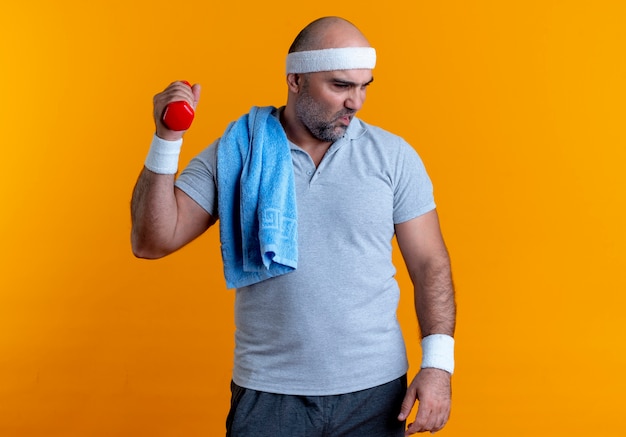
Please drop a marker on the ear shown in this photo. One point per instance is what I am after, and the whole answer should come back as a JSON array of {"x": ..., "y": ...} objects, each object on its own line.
[{"x": 293, "y": 82}]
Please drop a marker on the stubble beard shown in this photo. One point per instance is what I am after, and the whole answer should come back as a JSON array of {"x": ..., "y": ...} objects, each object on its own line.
[{"x": 313, "y": 117}]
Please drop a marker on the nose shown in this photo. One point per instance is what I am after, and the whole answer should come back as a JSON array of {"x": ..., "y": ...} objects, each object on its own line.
[{"x": 355, "y": 99}]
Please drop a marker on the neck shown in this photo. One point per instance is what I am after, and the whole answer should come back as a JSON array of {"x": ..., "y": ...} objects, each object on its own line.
[{"x": 298, "y": 134}]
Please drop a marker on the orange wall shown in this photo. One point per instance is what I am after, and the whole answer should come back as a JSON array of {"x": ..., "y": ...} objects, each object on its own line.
[{"x": 517, "y": 108}]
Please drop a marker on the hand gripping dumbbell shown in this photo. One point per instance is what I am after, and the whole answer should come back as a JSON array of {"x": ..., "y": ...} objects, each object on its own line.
[{"x": 178, "y": 115}]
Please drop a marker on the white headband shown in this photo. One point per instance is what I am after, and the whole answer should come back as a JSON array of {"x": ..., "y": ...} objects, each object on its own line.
[{"x": 346, "y": 58}]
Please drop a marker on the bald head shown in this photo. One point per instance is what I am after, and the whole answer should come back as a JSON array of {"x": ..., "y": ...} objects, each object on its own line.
[{"x": 328, "y": 32}]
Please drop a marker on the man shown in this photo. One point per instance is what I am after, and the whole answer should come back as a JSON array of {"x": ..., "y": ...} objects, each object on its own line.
[{"x": 319, "y": 351}]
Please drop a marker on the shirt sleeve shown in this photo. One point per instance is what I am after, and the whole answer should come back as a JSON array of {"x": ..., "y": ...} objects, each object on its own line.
[
  {"x": 413, "y": 190},
  {"x": 199, "y": 179}
]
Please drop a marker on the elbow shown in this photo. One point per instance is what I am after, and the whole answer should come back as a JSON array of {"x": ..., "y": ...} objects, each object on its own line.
[
  {"x": 143, "y": 249},
  {"x": 142, "y": 253}
]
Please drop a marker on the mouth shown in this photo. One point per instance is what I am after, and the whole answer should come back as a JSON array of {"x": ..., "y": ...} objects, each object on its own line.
[{"x": 345, "y": 119}]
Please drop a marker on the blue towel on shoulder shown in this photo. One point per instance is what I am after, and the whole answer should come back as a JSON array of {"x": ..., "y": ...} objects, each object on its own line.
[{"x": 256, "y": 200}]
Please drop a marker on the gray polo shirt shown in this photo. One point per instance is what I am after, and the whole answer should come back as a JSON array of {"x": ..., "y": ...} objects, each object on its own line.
[{"x": 330, "y": 326}]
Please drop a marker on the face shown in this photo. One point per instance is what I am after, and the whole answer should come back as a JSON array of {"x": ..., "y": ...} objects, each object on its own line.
[{"x": 327, "y": 101}]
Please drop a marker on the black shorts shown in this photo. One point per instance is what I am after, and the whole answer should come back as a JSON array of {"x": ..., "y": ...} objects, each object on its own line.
[{"x": 366, "y": 413}]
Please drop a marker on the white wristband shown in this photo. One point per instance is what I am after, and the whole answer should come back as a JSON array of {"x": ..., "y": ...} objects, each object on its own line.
[
  {"x": 163, "y": 155},
  {"x": 438, "y": 352}
]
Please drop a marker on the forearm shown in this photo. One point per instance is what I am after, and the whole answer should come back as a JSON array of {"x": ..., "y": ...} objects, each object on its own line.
[
  {"x": 434, "y": 297},
  {"x": 153, "y": 214},
  {"x": 436, "y": 311}
]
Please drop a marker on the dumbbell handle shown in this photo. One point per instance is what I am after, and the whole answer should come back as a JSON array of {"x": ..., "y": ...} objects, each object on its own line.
[{"x": 178, "y": 115}]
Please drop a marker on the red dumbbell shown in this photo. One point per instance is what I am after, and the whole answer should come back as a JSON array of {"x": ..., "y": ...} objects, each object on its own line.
[{"x": 178, "y": 115}]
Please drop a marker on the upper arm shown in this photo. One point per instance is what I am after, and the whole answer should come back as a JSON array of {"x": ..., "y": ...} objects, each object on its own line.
[
  {"x": 192, "y": 220},
  {"x": 167, "y": 227},
  {"x": 198, "y": 179},
  {"x": 421, "y": 243}
]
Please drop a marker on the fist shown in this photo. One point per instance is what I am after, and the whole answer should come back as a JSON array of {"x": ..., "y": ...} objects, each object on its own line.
[{"x": 174, "y": 109}]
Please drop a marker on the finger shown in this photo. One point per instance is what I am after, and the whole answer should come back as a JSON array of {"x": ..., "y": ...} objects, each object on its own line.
[
  {"x": 414, "y": 428},
  {"x": 424, "y": 419},
  {"x": 172, "y": 94},
  {"x": 436, "y": 418},
  {"x": 183, "y": 90},
  {"x": 195, "y": 89},
  {"x": 407, "y": 403},
  {"x": 179, "y": 90},
  {"x": 438, "y": 426},
  {"x": 441, "y": 420}
]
